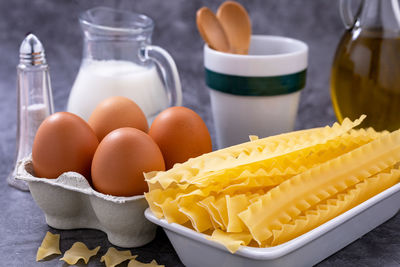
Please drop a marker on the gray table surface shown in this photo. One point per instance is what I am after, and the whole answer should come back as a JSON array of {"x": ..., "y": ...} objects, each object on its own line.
[{"x": 22, "y": 224}]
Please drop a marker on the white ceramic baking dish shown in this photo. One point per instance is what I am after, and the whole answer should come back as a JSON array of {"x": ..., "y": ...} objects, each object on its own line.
[
  {"x": 195, "y": 250},
  {"x": 69, "y": 202}
]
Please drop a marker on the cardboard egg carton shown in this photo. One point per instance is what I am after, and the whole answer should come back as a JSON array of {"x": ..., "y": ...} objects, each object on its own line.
[{"x": 69, "y": 202}]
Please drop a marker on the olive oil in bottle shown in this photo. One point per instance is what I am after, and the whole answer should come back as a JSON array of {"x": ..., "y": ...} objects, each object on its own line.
[
  {"x": 366, "y": 80},
  {"x": 365, "y": 77}
]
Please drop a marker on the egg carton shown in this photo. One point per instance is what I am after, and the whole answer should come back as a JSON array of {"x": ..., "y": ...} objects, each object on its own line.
[{"x": 69, "y": 202}]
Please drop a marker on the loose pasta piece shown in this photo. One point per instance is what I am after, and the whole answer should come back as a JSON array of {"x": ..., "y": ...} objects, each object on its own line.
[
  {"x": 253, "y": 137},
  {"x": 113, "y": 257},
  {"x": 50, "y": 246},
  {"x": 79, "y": 251},
  {"x": 295, "y": 195}
]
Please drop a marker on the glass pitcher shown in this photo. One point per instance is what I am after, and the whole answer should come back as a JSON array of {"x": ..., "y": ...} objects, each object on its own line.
[
  {"x": 365, "y": 76},
  {"x": 119, "y": 60}
]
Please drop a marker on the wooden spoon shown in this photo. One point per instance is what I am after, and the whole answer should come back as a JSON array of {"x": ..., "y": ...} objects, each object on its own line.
[
  {"x": 236, "y": 23},
  {"x": 211, "y": 30}
]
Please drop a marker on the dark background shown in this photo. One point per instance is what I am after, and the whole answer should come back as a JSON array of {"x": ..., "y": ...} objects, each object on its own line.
[{"x": 316, "y": 22}]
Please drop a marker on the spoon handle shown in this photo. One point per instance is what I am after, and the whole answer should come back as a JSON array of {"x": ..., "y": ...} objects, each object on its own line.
[{"x": 211, "y": 30}]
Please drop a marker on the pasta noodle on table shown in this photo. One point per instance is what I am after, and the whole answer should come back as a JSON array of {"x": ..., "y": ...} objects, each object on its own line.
[
  {"x": 50, "y": 246},
  {"x": 113, "y": 257},
  {"x": 79, "y": 251},
  {"x": 268, "y": 191}
]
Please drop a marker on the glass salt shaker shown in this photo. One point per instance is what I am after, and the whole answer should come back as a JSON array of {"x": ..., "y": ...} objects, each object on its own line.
[{"x": 34, "y": 96}]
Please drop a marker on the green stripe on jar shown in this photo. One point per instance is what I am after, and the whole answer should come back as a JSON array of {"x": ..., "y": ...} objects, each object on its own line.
[{"x": 256, "y": 86}]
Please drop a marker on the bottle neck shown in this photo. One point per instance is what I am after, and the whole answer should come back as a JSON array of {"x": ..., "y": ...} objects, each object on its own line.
[{"x": 380, "y": 16}]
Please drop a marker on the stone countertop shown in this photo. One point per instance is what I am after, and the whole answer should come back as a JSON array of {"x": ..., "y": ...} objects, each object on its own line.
[{"x": 22, "y": 224}]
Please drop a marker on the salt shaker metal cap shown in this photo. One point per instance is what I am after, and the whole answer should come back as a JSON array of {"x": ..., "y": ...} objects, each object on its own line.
[
  {"x": 31, "y": 51},
  {"x": 35, "y": 101}
]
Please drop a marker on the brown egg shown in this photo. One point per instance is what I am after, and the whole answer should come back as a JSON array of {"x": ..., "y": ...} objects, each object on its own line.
[
  {"x": 64, "y": 142},
  {"x": 117, "y": 112},
  {"x": 181, "y": 134},
  {"x": 120, "y": 161}
]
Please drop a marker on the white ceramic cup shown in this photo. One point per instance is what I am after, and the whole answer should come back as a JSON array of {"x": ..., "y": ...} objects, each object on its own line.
[{"x": 256, "y": 94}]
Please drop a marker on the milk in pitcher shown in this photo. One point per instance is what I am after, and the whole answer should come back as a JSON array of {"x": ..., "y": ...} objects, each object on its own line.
[{"x": 100, "y": 79}]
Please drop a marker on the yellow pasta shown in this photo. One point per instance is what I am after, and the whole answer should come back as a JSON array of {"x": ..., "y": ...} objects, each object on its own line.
[
  {"x": 199, "y": 217},
  {"x": 171, "y": 211},
  {"x": 50, "y": 246},
  {"x": 235, "y": 205},
  {"x": 333, "y": 207},
  {"x": 113, "y": 257},
  {"x": 247, "y": 152},
  {"x": 232, "y": 241},
  {"x": 263, "y": 174},
  {"x": 292, "y": 162},
  {"x": 271, "y": 190},
  {"x": 220, "y": 206},
  {"x": 216, "y": 218},
  {"x": 256, "y": 176},
  {"x": 297, "y": 194},
  {"x": 79, "y": 251}
]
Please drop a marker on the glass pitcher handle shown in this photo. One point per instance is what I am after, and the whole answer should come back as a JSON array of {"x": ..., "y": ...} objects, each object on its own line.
[
  {"x": 168, "y": 70},
  {"x": 346, "y": 14}
]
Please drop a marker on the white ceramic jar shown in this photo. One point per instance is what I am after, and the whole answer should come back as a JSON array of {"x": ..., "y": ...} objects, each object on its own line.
[{"x": 256, "y": 94}]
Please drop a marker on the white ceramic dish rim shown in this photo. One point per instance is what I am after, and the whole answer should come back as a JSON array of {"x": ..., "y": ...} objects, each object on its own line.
[{"x": 283, "y": 249}]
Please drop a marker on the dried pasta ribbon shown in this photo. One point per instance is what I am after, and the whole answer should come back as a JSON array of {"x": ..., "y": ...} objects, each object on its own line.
[
  {"x": 235, "y": 205},
  {"x": 297, "y": 194},
  {"x": 259, "y": 175},
  {"x": 157, "y": 197},
  {"x": 50, "y": 246},
  {"x": 79, "y": 251},
  {"x": 295, "y": 161},
  {"x": 318, "y": 215},
  {"x": 171, "y": 211},
  {"x": 221, "y": 207},
  {"x": 216, "y": 218},
  {"x": 113, "y": 257},
  {"x": 333, "y": 207},
  {"x": 232, "y": 241},
  {"x": 229, "y": 157},
  {"x": 253, "y": 137},
  {"x": 199, "y": 217}
]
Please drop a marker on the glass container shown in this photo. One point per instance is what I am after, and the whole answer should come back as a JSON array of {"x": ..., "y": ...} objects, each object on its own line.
[
  {"x": 119, "y": 60},
  {"x": 365, "y": 76}
]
